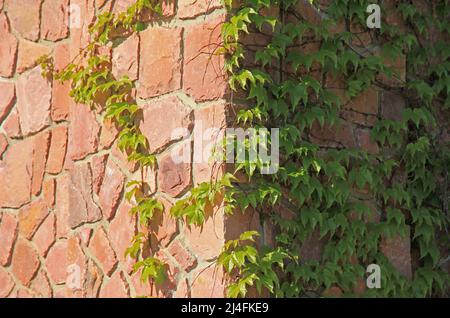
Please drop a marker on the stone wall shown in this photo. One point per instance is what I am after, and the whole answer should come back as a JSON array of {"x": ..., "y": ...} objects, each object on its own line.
[{"x": 62, "y": 177}]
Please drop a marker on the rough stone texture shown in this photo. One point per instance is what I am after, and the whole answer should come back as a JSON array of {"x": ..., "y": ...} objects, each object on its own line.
[
  {"x": 121, "y": 231},
  {"x": 192, "y": 8},
  {"x": 111, "y": 190},
  {"x": 57, "y": 152},
  {"x": 45, "y": 235},
  {"x": 83, "y": 132},
  {"x": 185, "y": 259},
  {"x": 25, "y": 262},
  {"x": 12, "y": 125},
  {"x": 159, "y": 131},
  {"x": 398, "y": 252},
  {"x": 41, "y": 285},
  {"x": 31, "y": 217},
  {"x": 16, "y": 174},
  {"x": 40, "y": 155},
  {"x": 3, "y": 144},
  {"x": 55, "y": 18},
  {"x": 8, "y": 48},
  {"x": 160, "y": 64},
  {"x": 25, "y": 21},
  {"x": 48, "y": 191},
  {"x": 125, "y": 59},
  {"x": 164, "y": 226},
  {"x": 7, "y": 96},
  {"x": 208, "y": 283},
  {"x": 103, "y": 252},
  {"x": 98, "y": 167},
  {"x": 202, "y": 72},
  {"x": 174, "y": 175},
  {"x": 6, "y": 283},
  {"x": 33, "y": 101},
  {"x": 29, "y": 53},
  {"x": 82, "y": 208},
  {"x": 60, "y": 91},
  {"x": 8, "y": 234},
  {"x": 116, "y": 287}
]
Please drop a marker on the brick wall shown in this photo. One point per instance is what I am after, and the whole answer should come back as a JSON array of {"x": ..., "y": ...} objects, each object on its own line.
[{"x": 62, "y": 177}]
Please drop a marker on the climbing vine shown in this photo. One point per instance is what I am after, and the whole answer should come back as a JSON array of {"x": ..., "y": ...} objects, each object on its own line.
[{"x": 314, "y": 191}]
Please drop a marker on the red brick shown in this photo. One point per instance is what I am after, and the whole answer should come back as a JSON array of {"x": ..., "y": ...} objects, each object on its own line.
[
  {"x": 125, "y": 58},
  {"x": 29, "y": 53},
  {"x": 8, "y": 235},
  {"x": 3, "y": 144},
  {"x": 31, "y": 217},
  {"x": 8, "y": 48},
  {"x": 6, "y": 283},
  {"x": 160, "y": 64},
  {"x": 82, "y": 208},
  {"x": 84, "y": 132},
  {"x": 33, "y": 101},
  {"x": 16, "y": 174},
  {"x": 209, "y": 130},
  {"x": 208, "y": 283},
  {"x": 40, "y": 155},
  {"x": 159, "y": 131},
  {"x": 41, "y": 285},
  {"x": 207, "y": 241},
  {"x": 12, "y": 125},
  {"x": 175, "y": 177},
  {"x": 61, "y": 99},
  {"x": 45, "y": 235},
  {"x": 25, "y": 262},
  {"x": 25, "y": 21},
  {"x": 7, "y": 97},
  {"x": 203, "y": 75},
  {"x": 98, "y": 167},
  {"x": 103, "y": 252},
  {"x": 115, "y": 287},
  {"x": 121, "y": 230},
  {"x": 398, "y": 252},
  {"x": 193, "y": 8},
  {"x": 57, "y": 151},
  {"x": 164, "y": 226},
  {"x": 111, "y": 190},
  {"x": 184, "y": 258},
  {"x": 55, "y": 19}
]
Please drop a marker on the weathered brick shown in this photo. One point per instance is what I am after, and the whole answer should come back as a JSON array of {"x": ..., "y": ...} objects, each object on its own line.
[
  {"x": 103, "y": 252},
  {"x": 174, "y": 176},
  {"x": 84, "y": 132},
  {"x": 160, "y": 64},
  {"x": 159, "y": 131},
  {"x": 33, "y": 101},
  {"x": 31, "y": 217},
  {"x": 82, "y": 208},
  {"x": 40, "y": 155},
  {"x": 25, "y": 21},
  {"x": 184, "y": 258},
  {"x": 7, "y": 97},
  {"x": 115, "y": 287},
  {"x": 164, "y": 226},
  {"x": 57, "y": 152},
  {"x": 16, "y": 174},
  {"x": 121, "y": 230},
  {"x": 98, "y": 166},
  {"x": 55, "y": 20},
  {"x": 8, "y": 235},
  {"x": 193, "y": 8},
  {"x": 8, "y": 48},
  {"x": 25, "y": 261},
  {"x": 208, "y": 283},
  {"x": 29, "y": 53},
  {"x": 125, "y": 59},
  {"x": 45, "y": 235},
  {"x": 60, "y": 91},
  {"x": 203, "y": 75},
  {"x": 111, "y": 190},
  {"x": 209, "y": 130},
  {"x": 6, "y": 283}
]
